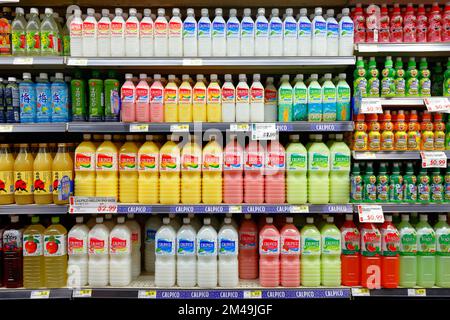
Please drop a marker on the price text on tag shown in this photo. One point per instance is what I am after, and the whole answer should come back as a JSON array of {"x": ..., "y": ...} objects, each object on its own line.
[
  {"x": 433, "y": 159},
  {"x": 253, "y": 294},
  {"x": 40, "y": 294},
  {"x": 179, "y": 128},
  {"x": 82, "y": 293},
  {"x": 6, "y": 128},
  {"x": 436, "y": 104},
  {"x": 417, "y": 292},
  {"x": 192, "y": 62},
  {"x": 77, "y": 62},
  {"x": 371, "y": 106},
  {"x": 136, "y": 127},
  {"x": 239, "y": 127},
  {"x": 264, "y": 131},
  {"x": 147, "y": 294},
  {"x": 107, "y": 208},
  {"x": 370, "y": 214}
]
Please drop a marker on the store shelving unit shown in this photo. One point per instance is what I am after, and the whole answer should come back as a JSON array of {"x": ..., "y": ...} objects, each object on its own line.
[
  {"x": 17, "y": 62},
  {"x": 408, "y": 208},
  {"x": 33, "y": 127},
  {"x": 24, "y": 294},
  {"x": 33, "y": 209},
  {"x": 401, "y": 293}
]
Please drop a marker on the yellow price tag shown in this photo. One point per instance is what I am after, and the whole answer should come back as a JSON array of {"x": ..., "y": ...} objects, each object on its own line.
[
  {"x": 82, "y": 293},
  {"x": 138, "y": 127},
  {"x": 360, "y": 292},
  {"x": 239, "y": 127},
  {"x": 147, "y": 294},
  {"x": 299, "y": 209},
  {"x": 235, "y": 209},
  {"x": 40, "y": 294},
  {"x": 179, "y": 128},
  {"x": 253, "y": 294},
  {"x": 417, "y": 292}
]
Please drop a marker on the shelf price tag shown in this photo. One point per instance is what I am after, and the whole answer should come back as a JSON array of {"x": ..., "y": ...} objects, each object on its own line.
[
  {"x": 437, "y": 104},
  {"x": 417, "y": 292},
  {"x": 360, "y": 292},
  {"x": 77, "y": 62},
  {"x": 252, "y": 294},
  {"x": 371, "y": 106},
  {"x": 364, "y": 155},
  {"x": 264, "y": 131},
  {"x": 137, "y": 127},
  {"x": 239, "y": 127},
  {"x": 235, "y": 209},
  {"x": 82, "y": 293},
  {"x": 92, "y": 205},
  {"x": 147, "y": 294},
  {"x": 370, "y": 213},
  {"x": 299, "y": 209},
  {"x": 6, "y": 128},
  {"x": 192, "y": 62},
  {"x": 179, "y": 128},
  {"x": 40, "y": 294},
  {"x": 433, "y": 159},
  {"x": 23, "y": 60}
]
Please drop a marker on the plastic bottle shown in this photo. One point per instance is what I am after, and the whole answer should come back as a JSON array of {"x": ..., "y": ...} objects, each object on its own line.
[
  {"x": 319, "y": 34},
  {"x": 161, "y": 35},
  {"x": 146, "y": 29},
  {"x": 328, "y": 99},
  {"x": 142, "y": 99},
  {"x": 261, "y": 34},
  {"x": 228, "y": 241},
  {"x": 169, "y": 162},
  {"x": 55, "y": 255},
  {"x": 423, "y": 186},
  {"x": 207, "y": 255},
  {"x": 171, "y": 100},
  {"x": 212, "y": 166},
  {"x": 186, "y": 255},
  {"x": 310, "y": 249},
  {"x": 387, "y": 134},
  {"x": 78, "y": 97},
  {"x": 360, "y": 81},
  {"x": 382, "y": 184},
  {"x": 424, "y": 79},
  {"x": 410, "y": 188},
  {"x": 213, "y": 100},
  {"x": 343, "y": 99},
  {"x": 332, "y": 34},
  {"x": 427, "y": 134},
  {"x": 6, "y": 175},
  {"x": 442, "y": 230},
  {"x": 44, "y": 100},
  {"x": 248, "y": 249},
  {"x": 296, "y": 166},
  {"x": 90, "y": 34},
  {"x": 18, "y": 34},
  {"x": 400, "y": 136},
  {"x": 370, "y": 255},
  {"x": 318, "y": 169},
  {"x": 269, "y": 251},
  {"x": 275, "y": 35},
  {"x": 60, "y": 99},
  {"x": 408, "y": 252},
  {"x": 98, "y": 268},
  {"x": 285, "y": 100},
  {"x": 290, "y": 255},
  {"x": 228, "y": 100},
  {"x": 233, "y": 35},
  {"x": 190, "y": 34},
  {"x": 33, "y": 29},
  {"x": 257, "y": 99},
  {"x": 103, "y": 35},
  {"x": 346, "y": 31},
  {"x": 446, "y": 23},
  {"x": 151, "y": 227},
  {"x": 412, "y": 79},
  {"x": 304, "y": 34},
  {"x": 33, "y": 255},
  {"x": 85, "y": 168},
  {"x": 387, "y": 82},
  {"x": 219, "y": 41},
  {"x": 290, "y": 34},
  {"x": 300, "y": 100},
  {"x": 396, "y": 26},
  {"x": 274, "y": 171},
  {"x": 370, "y": 184},
  {"x": 77, "y": 250},
  {"x": 132, "y": 34},
  {"x": 204, "y": 35},
  {"x": 395, "y": 184},
  {"x": 199, "y": 100},
  {"x": 23, "y": 176},
  {"x": 356, "y": 184},
  {"x": 373, "y": 83},
  {"x": 12, "y": 101},
  {"x": 12, "y": 254},
  {"x": 62, "y": 175},
  {"x": 136, "y": 239},
  {"x": 128, "y": 175},
  {"x": 156, "y": 99},
  {"x": 247, "y": 34},
  {"x": 185, "y": 100},
  {"x": 426, "y": 251},
  {"x": 242, "y": 100},
  {"x": 350, "y": 257},
  {"x": 400, "y": 85},
  {"x": 42, "y": 174},
  {"x": 315, "y": 108},
  {"x": 437, "y": 186},
  {"x": 233, "y": 166},
  {"x": 390, "y": 242},
  {"x": 175, "y": 34},
  {"x": 339, "y": 171},
  {"x": 118, "y": 29},
  {"x": 254, "y": 160},
  {"x": 106, "y": 169},
  {"x": 435, "y": 24},
  {"x": 422, "y": 24},
  {"x": 49, "y": 34},
  {"x": 331, "y": 254},
  {"x": 270, "y": 101},
  {"x": 27, "y": 93},
  {"x": 409, "y": 24},
  {"x": 96, "y": 98},
  {"x": 120, "y": 251},
  {"x": 165, "y": 263},
  {"x": 191, "y": 166}
]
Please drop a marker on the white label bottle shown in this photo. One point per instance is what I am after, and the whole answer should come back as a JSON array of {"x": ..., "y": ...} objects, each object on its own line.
[
  {"x": 190, "y": 35},
  {"x": 289, "y": 34},
  {"x": 275, "y": 35},
  {"x": 242, "y": 100},
  {"x": 346, "y": 30},
  {"x": 165, "y": 246},
  {"x": 90, "y": 34},
  {"x": 319, "y": 34},
  {"x": 118, "y": 35},
  {"x": 146, "y": 29},
  {"x": 228, "y": 100},
  {"x": 132, "y": 35},
  {"x": 304, "y": 34},
  {"x": 247, "y": 34},
  {"x": 175, "y": 34},
  {"x": 204, "y": 35},
  {"x": 257, "y": 100},
  {"x": 270, "y": 101},
  {"x": 228, "y": 243},
  {"x": 77, "y": 249},
  {"x": 76, "y": 35},
  {"x": 98, "y": 251},
  {"x": 261, "y": 34},
  {"x": 104, "y": 35},
  {"x": 186, "y": 255},
  {"x": 332, "y": 34},
  {"x": 120, "y": 254},
  {"x": 207, "y": 255},
  {"x": 233, "y": 35},
  {"x": 161, "y": 33},
  {"x": 219, "y": 41}
]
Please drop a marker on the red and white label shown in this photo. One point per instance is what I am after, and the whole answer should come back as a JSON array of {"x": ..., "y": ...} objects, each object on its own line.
[
  {"x": 371, "y": 106},
  {"x": 433, "y": 159},
  {"x": 228, "y": 95},
  {"x": 254, "y": 160},
  {"x": 119, "y": 246},
  {"x": 370, "y": 214},
  {"x": 269, "y": 245},
  {"x": 174, "y": 29},
  {"x": 242, "y": 95},
  {"x": 88, "y": 29},
  {"x": 76, "y": 246},
  {"x": 257, "y": 95},
  {"x": 117, "y": 28},
  {"x": 146, "y": 29},
  {"x": 247, "y": 240},
  {"x": 103, "y": 29},
  {"x": 437, "y": 104},
  {"x": 97, "y": 246},
  {"x": 127, "y": 162},
  {"x": 132, "y": 29},
  {"x": 76, "y": 30},
  {"x": 290, "y": 245},
  {"x": 212, "y": 162},
  {"x": 148, "y": 162},
  {"x": 161, "y": 29}
]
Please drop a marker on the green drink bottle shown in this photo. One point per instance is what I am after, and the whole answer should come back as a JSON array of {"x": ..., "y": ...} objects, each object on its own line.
[
  {"x": 396, "y": 185},
  {"x": 382, "y": 184},
  {"x": 442, "y": 230},
  {"x": 423, "y": 190},
  {"x": 426, "y": 253},
  {"x": 410, "y": 184},
  {"x": 437, "y": 186},
  {"x": 408, "y": 253},
  {"x": 370, "y": 187}
]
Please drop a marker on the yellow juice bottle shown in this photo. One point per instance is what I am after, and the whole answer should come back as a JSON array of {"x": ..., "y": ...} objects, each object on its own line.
[
  {"x": 199, "y": 100},
  {"x": 128, "y": 175},
  {"x": 400, "y": 136},
  {"x": 360, "y": 135},
  {"x": 55, "y": 255},
  {"x": 106, "y": 182},
  {"x": 374, "y": 136},
  {"x": 214, "y": 101},
  {"x": 33, "y": 255},
  {"x": 427, "y": 136},
  {"x": 42, "y": 175},
  {"x": 148, "y": 170},
  {"x": 171, "y": 100},
  {"x": 23, "y": 176},
  {"x": 439, "y": 132},
  {"x": 169, "y": 167},
  {"x": 413, "y": 132},
  {"x": 62, "y": 170},
  {"x": 191, "y": 172},
  {"x": 212, "y": 172},
  {"x": 6, "y": 175},
  {"x": 85, "y": 168},
  {"x": 387, "y": 134},
  {"x": 185, "y": 100}
]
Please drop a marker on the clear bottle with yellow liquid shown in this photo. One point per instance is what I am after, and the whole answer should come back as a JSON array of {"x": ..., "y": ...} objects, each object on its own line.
[
  {"x": 212, "y": 172},
  {"x": 199, "y": 100},
  {"x": 6, "y": 175},
  {"x": 148, "y": 170},
  {"x": 62, "y": 170},
  {"x": 42, "y": 175},
  {"x": 171, "y": 100},
  {"x": 23, "y": 176},
  {"x": 107, "y": 179},
  {"x": 128, "y": 175},
  {"x": 191, "y": 172},
  {"x": 214, "y": 100},
  {"x": 185, "y": 100},
  {"x": 55, "y": 255},
  {"x": 85, "y": 168},
  {"x": 33, "y": 255},
  {"x": 169, "y": 167}
]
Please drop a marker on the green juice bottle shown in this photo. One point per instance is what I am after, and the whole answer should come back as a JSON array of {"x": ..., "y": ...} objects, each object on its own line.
[
  {"x": 447, "y": 136},
  {"x": 423, "y": 188},
  {"x": 408, "y": 253},
  {"x": 360, "y": 81},
  {"x": 112, "y": 97},
  {"x": 447, "y": 185},
  {"x": 426, "y": 253},
  {"x": 373, "y": 83},
  {"x": 78, "y": 92},
  {"x": 96, "y": 99},
  {"x": 356, "y": 182},
  {"x": 395, "y": 185},
  {"x": 437, "y": 79},
  {"x": 412, "y": 80},
  {"x": 410, "y": 184},
  {"x": 424, "y": 79},
  {"x": 387, "y": 81},
  {"x": 437, "y": 186},
  {"x": 399, "y": 78},
  {"x": 382, "y": 184},
  {"x": 370, "y": 185},
  {"x": 446, "y": 83},
  {"x": 442, "y": 230}
]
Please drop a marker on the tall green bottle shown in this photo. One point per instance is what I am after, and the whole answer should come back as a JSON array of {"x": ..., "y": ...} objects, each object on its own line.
[
  {"x": 408, "y": 253},
  {"x": 78, "y": 92},
  {"x": 442, "y": 230},
  {"x": 399, "y": 78},
  {"x": 426, "y": 253},
  {"x": 373, "y": 83},
  {"x": 357, "y": 186},
  {"x": 370, "y": 185},
  {"x": 96, "y": 98},
  {"x": 387, "y": 81},
  {"x": 382, "y": 184},
  {"x": 410, "y": 184},
  {"x": 412, "y": 80},
  {"x": 423, "y": 186},
  {"x": 437, "y": 186},
  {"x": 424, "y": 79},
  {"x": 446, "y": 83},
  {"x": 395, "y": 185}
]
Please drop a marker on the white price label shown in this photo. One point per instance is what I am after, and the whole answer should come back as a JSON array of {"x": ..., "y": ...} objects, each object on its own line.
[
  {"x": 77, "y": 62},
  {"x": 437, "y": 104},
  {"x": 23, "y": 60},
  {"x": 417, "y": 292},
  {"x": 179, "y": 128},
  {"x": 252, "y": 294},
  {"x": 82, "y": 293},
  {"x": 6, "y": 128},
  {"x": 40, "y": 294},
  {"x": 264, "y": 131},
  {"x": 299, "y": 209},
  {"x": 362, "y": 155},
  {"x": 370, "y": 214},
  {"x": 371, "y": 106},
  {"x": 243, "y": 127},
  {"x": 360, "y": 292},
  {"x": 137, "y": 127},
  {"x": 433, "y": 159},
  {"x": 92, "y": 205},
  {"x": 235, "y": 209},
  {"x": 147, "y": 294},
  {"x": 192, "y": 62}
]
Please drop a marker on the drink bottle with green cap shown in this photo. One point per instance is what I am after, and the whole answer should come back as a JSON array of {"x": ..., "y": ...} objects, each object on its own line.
[
  {"x": 426, "y": 253},
  {"x": 442, "y": 252},
  {"x": 408, "y": 253}
]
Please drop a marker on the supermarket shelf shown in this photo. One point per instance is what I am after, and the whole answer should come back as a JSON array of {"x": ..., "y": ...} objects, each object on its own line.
[
  {"x": 389, "y": 155},
  {"x": 23, "y": 294},
  {"x": 401, "y": 293},
  {"x": 409, "y": 207},
  {"x": 392, "y": 48},
  {"x": 11, "y": 61},
  {"x": 33, "y": 127},
  {"x": 33, "y": 209}
]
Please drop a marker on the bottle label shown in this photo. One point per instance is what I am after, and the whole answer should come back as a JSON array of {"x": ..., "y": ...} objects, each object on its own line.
[
  {"x": 103, "y": 30},
  {"x": 150, "y": 235},
  {"x": 270, "y": 96},
  {"x": 204, "y": 29},
  {"x": 213, "y": 95},
  {"x": 184, "y": 96},
  {"x": 300, "y": 95},
  {"x": 356, "y": 191},
  {"x": 423, "y": 189},
  {"x": 233, "y": 30},
  {"x": 443, "y": 241},
  {"x": 437, "y": 189},
  {"x": 106, "y": 161},
  {"x": 60, "y": 103},
  {"x": 34, "y": 41},
  {"x": 218, "y": 30},
  {"x": 23, "y": 183},
  {"x": 76, "y": 30},
  {"x": 199, "y": 96},
  {"x": 27, "y": 102},
  {"x": 427, "y": 242},
  {"x": 247, "y": 240},
  {"x": 304, "y": 29},
  {"x": 142, "y": 95},
  {"x": 254, "y": 160},
  {"x": 88, "y": 29},
  {"x": 347, "y": 30},
  {"x": 189, "y": 30},
  {"x": 227, "y": 247},
  {"x": 175, "y": 29},
  {"x": 275, "y": 161},
  {"x": 55, "y": 245},
  {"x": 331, "y": 245},
  {"x": 32, "y": 244},
  {"x": 206, "y": 247},
  {"x": 446, "y": 188},
  {"x": 311, "y": 246},
  {"x": 76, "y": 246},
  {"x": 6, "y": 182},
  {"x": 329, "y": 95},
  {"x": 161, "y": 29},
  {"x": 262, "y": 29},
  {"x": 164, "y": 247},
  {"x": 191, "y": 162},
  {"x": 119, "y": 246},
  {"x": 318, "y": 162},
  {"x": 320, "y": 29},
  {"x": 410, "y": 189},
  {"x": 350, "y": 241},
  {"x": 370, "y": 189},
  {"x": 170, "y": 95},
  {"x": 242, "y": 95},
  {"x": 98, "y": 246},
  {"x": 156, "y": 96},
  {"x": 169, "y": 162},
  {"x": 408, "y": 242},
  {"x": 43, "y": 182},
  {"x": 146, "y": 29},
  {"x": 148, "y": 162},
  {"x": 314, "y": 95},
  {"x": 340, "y": 162},
  {"x": 228, "y": 95},
  {"x": 18, "y": 42},
  {"x": 370, "y": 242},
  {"x": 127, "y": 95},
  {"x": 290, "y": 245},
  {"x": 390, "y": 243},
  {"x": 383, "y": 188},
  {"x": 256, "y": 95},
  {"x": 269, "y": 245},
  {"x": 84, "y": 161},
  {"x": 212, "y": 161},
  {"x": 247, "y": 29},
  {"x": 285, "y": 96},
  {"x": 332, "y": 30},
  {"x": 117, "y": 29},
  {"x": 44, "y": 101},
  {"x": 186, "y": 247},
  {"x": 343, "y": 94},
  {"x": 396, "y": 189},
  {"x": 233, "y": 161},
  {"x": 296, "y": 161},
  {"x": 290, "y": 29},
  {"x": 12, "y": 241},
  {"x": 127, "y": 161},
  {"x": 276, "y": 29}
]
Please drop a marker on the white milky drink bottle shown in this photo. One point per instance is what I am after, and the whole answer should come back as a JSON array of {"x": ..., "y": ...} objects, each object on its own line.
[
  {"x": 151, "y": 227},
  {"x": 186, "y": 255},
  {"x": 175, "y": 34},
  {"x": 332, "y": 34},
  {"x": 90, "y": 34},
  {"x": 233, "y": 35},
  {"x": 228, "y": 241},
  {"x": 136, "y": 237},
  {"x": 76, "y": 35},
  {"x": 228, "y": 100},
  {"x": 165, "y": 263},
  {"x": 98, "y": 251},
  {"x": 190, "y": 34},
  {"x": 120, "y": 274},
  {"x": 104, "y": 35},
  {"x": 161, "y": 34},
  {"x": 290, "y": 34},
  {"x": 146, "y": 29},
  {"x": 207, "y": 255},
  {"x": 346, "y": 30},
  {"x": 270, "y": 101},
  {"x": 304, "y": 34},
  {"x": 261, "y": 34},
  {"x": 219, "y": 40},
  {"x": 77, "y": 249},
  {"x": 132, "y": 33},
  {"x": 319, "y": 34},
  {"x": 242, "y": 100},
  {"x": 204, "y": 35},
  {"x": 257, "y": 99},
  {"x": 247, "y": 34},
  {"x": 275, "y": 35},
  {"x": 118, "y": 34}
]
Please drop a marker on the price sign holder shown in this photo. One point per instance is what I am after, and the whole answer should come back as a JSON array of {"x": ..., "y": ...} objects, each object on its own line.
[
  {"x": 417, "y": 292},
  {"x": 40, "y": 294},
  {"x": 370, "y": 213},
  {"x": 179, "y": 128},
  {"x": 192, "y": 62},
  {"x": 433, "y": 159},
  {"x": 371, "y": 106},
  {"x": 82, "y": 293},
  {"x": 437, "y": 104},
  {"x": 239, "y": 127},
  {"x": 137, "y": 127},
  {"x": 23, "y": 60},
  {"x": 82, "y": 205},
  {"x": 264, "y": 131},
  {"x": 146, "y": 294},
  {"x": 252, "y": 294}
]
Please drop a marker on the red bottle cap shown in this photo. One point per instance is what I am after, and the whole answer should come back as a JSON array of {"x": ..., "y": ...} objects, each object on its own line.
[{"x": 437, "y": 117}]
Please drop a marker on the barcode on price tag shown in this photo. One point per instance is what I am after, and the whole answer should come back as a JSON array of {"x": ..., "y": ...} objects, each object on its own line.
[
  {"x": 433, "y": 159},
  {"x": 370, "y": 214},
  {"x": 264, "y": 131},
  {"x": 371, "y": 106},
  {"x": 147, "y": 294},
  {"x": 437, "y": 104},
  {"x": 137, "y": 127}
]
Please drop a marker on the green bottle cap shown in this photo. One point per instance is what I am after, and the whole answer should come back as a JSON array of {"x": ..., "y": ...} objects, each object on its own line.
[
  {"x": 96, "y": 74},
  {"x": 35, "y": 219},
  {"x": 382, "y": 169},
  {"x": 55, "y": 220},
  {"x": 372, "y": 63},
  {"x": 78, "y": 74},
  {"x": 369, "y": 168},
  {"x": 423, "y": 64},
  {"x": 356, "y": 170},
  {"x": 412, "y": 63},
  {"x": 360, "y": 63},
  {"x": 399, "y": 63},
  {"x": 388, "y": 63},
  {"x": 438, "y": 68},
  {"x": 112, "y": 74},
  {"x": 409, "y": 168},
  {"x": 436, "y": 171},
  {"x": 395, "y": 168}
]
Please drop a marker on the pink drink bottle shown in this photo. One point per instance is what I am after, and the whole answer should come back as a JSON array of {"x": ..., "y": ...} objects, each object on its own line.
[
  {"x": 156, "y": 100},
  {"x": 269, "y": 255},
  {"x": 274, "y": 171},
  {"x": 143, "y": 99},
  {"x": 290, "y": 254},
  {"x": 248, "y": 249},
  {"x": 128, "y": 94},
  {"x": 233, "y": 181},
  {"x": 254, "y": 173}
]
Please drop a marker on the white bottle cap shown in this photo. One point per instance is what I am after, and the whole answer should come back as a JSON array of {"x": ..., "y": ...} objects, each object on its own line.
[
  {"x": 328, "y": 76},
  {"x": 303, "y": 11},
  {"x": 247, "y": 12},
  {"x": 228, "y": 77},
  {"x": 108, "y": 216},
  {"x": 90, "y": 11},
  {"x": 27, "y": 75},
  {"x": 161, "y": 12},
  {"x": 128, "y": 76},
  {"x": 59, "y": 75},
  {"x": 242, "y": 77},
  {"x": 48, "y": 11},
  {"x": 261, "y": 11},
  {"x": 299, "y": 77},
  {"x": 314, "y": 76},
  {"x": 186, "y": 220},
  {"x": 171, "y": 77},
  {"x": 19, "y": 10},
  {"x": 121, "y": 219},
  {"x": 233, "y": 12},
  {"x": 289, "y": 11},
  {"x": 14, "y": 219},
  {"x": 11, "y": 79},
  {"x": 99, "y": 220},
  {"x": 190, "y": 12},
  {"x": 200, "y": 77},
  {"x": 269, "y": 220},
  {"x": 318, "y": 137},
  {"x": 166, "y": 220},
  {"x": 87, "y": 136},
  {"x": 207, "y": 221},
  {"x": 285, "y": 77},
  {"x": 227, "y": 220},
  {"x": 256, "y": 77},
  {"x": 147, "y": 12},
  {"x": 442, "y": 217},
  {"x": 105, "y": 12},
  {"x": 79, "y": 219},
  {"x": 36, "y": 11},
  {"x": 43, "y": 76},
  {"x": 142, "y": 76},
  {"x": 118, "y": 11},
  {"x": 423, "y": 217},
  {"x": 205, "y": 12},
  {"x": 219, "y": 11},
  {"x": 185, "y": 77},
  {"x": 330, "y": 13},
  {"x": 342, "y": 76},
  {"x": 213, "y": 77},
  {"x": 310, "y": 220},
  {"x": 405, "y": 217},
  {"x": 132, "y": 11},
  {"x": 275, "y": 12},
  {"x": 176, "y": 12},
  {"x": 107, "y": 137},
  {"x": 157, "y": 77},
  {"x": 318, "y": 11},
  {"x": 289, "y": 220},
  {"x": 388, "y": 218},
  {"x": 345, "y": 11}
]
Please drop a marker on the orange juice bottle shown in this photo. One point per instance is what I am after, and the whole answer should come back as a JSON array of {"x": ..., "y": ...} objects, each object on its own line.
[
  {"x": 360, "y": 135},
  {"x": 169, "y": 167},
  {"x": 106, "y": 182},
  {"x": 387, "y": 134},
  {"x": 374, "y": 133},
  {"x": 439, "y": 132},
  {"x": 23, "y": 176},
  {"x": 55, "y": 255},
  {"x": 42, "y": 174},
  {"x": 427, "y": 136},
  {"x": 400, "y": 136},
  {"x": 191, "y": 172},
  {"x": 62, "y": 175},
  {"x": 413, "y": 132},
  {"x": 6, "y": 175},
  {"x": 128, "y": 175},
  {"x": 85, "y": 168},
  {"x": 148, "y": 170},
  {"x": 212, "y": 172}
]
